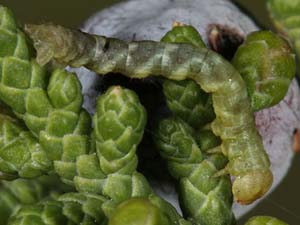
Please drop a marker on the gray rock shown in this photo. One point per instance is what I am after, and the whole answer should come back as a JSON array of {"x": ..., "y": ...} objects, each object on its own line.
[{"x": 150, "y": 20}]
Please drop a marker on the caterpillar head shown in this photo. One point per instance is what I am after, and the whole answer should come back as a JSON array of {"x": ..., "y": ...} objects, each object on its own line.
[
  {"x": 56, "y": 42},
  {"x": 44, "y": 42}
]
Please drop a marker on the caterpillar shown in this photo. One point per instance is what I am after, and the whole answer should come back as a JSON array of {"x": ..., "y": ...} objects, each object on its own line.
[
  {"x": 185, "y": 98},
  {"x": 234, "y": 122},
  {"x": 79, "y": 208}
]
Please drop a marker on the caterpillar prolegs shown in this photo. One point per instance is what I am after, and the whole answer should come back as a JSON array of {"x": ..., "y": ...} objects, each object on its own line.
[{"x": 234, "y": 123}]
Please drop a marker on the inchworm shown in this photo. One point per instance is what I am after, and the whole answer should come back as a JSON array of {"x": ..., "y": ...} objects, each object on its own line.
[{"x": 234, "y": 123}]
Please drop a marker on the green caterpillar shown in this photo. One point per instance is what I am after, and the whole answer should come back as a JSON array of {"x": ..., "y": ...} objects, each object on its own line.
[
  {"x": 57, "y": 124},
  {"x": 185, "y": 98},
  {"x": 264, "y": 60},
  {"x": 234, "y": 122}
]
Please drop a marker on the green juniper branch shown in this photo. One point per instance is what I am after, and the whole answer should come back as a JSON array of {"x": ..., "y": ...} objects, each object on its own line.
[
  {"x": 212, "y": 72},
  {"x": 185, "y": 98},
  {"x": 285, "y": 16},
  {"x": 15, "y": 193},
  {"x": 50, "y": 105},
  {"x": 264, "y": 220},
  {"x": 58, "y": 124},
  {"x": 267, "y": 64},
  {"x": 234, "y": 121},
  {"x": 205, "y": 199}
]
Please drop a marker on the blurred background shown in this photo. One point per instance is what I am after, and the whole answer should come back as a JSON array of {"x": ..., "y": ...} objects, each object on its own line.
[{"x": 284, "y": 202}]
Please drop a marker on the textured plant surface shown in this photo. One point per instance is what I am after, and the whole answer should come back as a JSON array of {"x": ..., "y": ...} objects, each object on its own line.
[
  {"x": 16, "y": 193},
  {"x": 285, "y": 15},
  {"x": 266, "y": 63},
  {"x": 234, "y": 121},
  {"x": 55, "y": 119},
  {"x": 58, "y": 138},
  {"x": 185, "y": 98},
  {"x": 204, "y": 198},
  {"x": 276, "y": 124},
  {"x": 53, "y": 134},
  {"x": 265, "y": 220},
  {"x": 151, "y": 210}
]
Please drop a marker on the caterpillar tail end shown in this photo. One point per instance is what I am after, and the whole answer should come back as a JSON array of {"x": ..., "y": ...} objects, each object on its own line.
[{"x": 251, "y": 186}]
